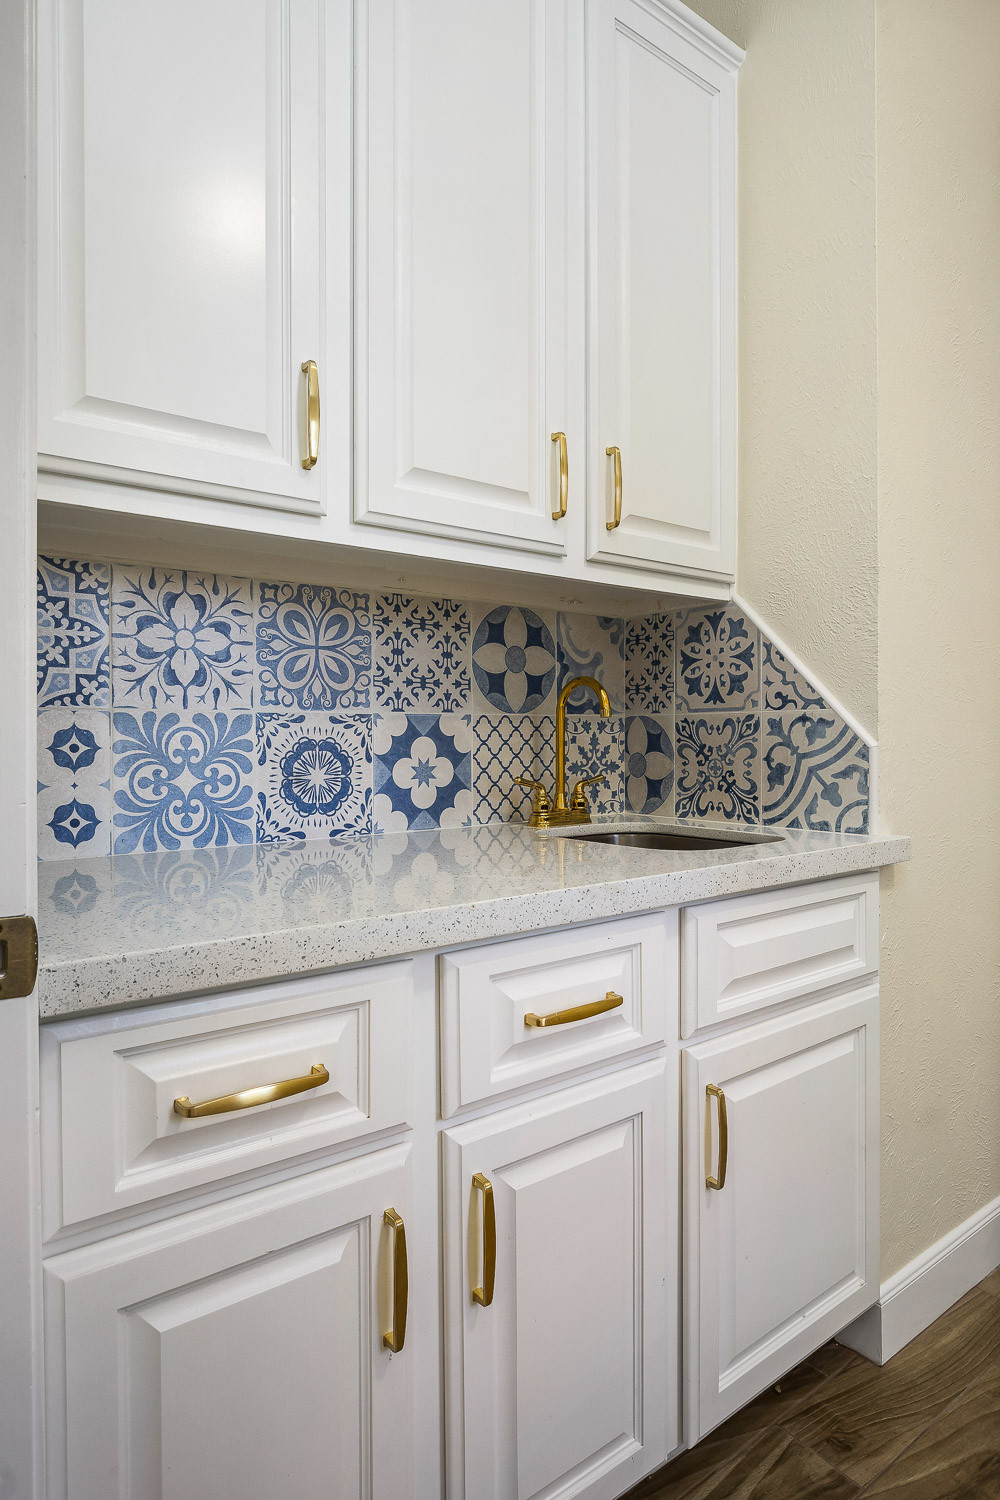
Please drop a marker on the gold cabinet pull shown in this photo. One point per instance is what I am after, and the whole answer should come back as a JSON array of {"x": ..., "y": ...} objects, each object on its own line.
[
  {"x": 266, "y": 1094},
  {"x": 712, "y": 1092},
  {"x": 484, "y": 1294},
  {"x": 396, "y": 1336},
  {"x": 611, "y": 1001},
  {"x": 311, "y": 373},
  {"x": 560, "y": 438},
  {"x": 617, "y": 452}
]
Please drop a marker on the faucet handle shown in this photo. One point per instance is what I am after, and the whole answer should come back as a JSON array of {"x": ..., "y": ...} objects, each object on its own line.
[
  {"x": 541, "y": 802},
  {"x": 577, "y": 800}
]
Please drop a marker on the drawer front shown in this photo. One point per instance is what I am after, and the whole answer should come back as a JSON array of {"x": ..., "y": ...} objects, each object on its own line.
[
  {"x": 490, "y": 1049},
  {"x": 741, "y": 955},
  {"x": 112, "y": 1139}
]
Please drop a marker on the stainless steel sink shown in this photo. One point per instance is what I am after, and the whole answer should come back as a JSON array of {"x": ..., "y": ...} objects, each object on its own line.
[{"x": 657, "y": 838}]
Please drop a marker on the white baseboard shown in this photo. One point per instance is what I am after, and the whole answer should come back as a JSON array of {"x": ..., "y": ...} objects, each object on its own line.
[{"x": 911, "y": 1300}]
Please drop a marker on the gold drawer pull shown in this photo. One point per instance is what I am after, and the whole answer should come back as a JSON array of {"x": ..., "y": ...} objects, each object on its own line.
[
  {"x": 266, "y": 1094},
  {"x": 616, "y": 453},
  {"x": 560, "y": 438},
  {"x": 311, "y": 373},
  {"x": 611, "y": 1001},
  {"x": 712, "y": 1092},
  {"x": 396, "y": 1336},
  {"x": 484, "y": 1294}
]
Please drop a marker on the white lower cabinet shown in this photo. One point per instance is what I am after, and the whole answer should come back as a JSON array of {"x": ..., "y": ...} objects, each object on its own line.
[
  {"x": 237, "y": 1350},
  {"x": 780, "y": 1197},
  {"x": 560, "y": 1368}
]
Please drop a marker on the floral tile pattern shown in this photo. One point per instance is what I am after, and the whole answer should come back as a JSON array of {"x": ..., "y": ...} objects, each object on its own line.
[
  {"x": 180, "y": 639},
  {"x": 718, "y": 767},
  {"x": 421, "y": 655},
  {"x": 591, "y": 646},
  {"x": 815, "y": 772},
  {"x": 182, "y": 780},
  {"x": 507, "y": 746},
  {"x": 314, "y": 647},
  {"x": 784, "y": 687},
  {"x": 513, "y": 660},
  {"x": 74, "y": 782},
  {"x": 649, "y": 664},
  {"x": 648, "y": 764},
  {"x": 423, "y": 770},
  {"x": 73, "y": 633},
  {"x": 718, "y": 660},
  {"x": 594, "y": 747},
  {"x": 314, "y": 776}
]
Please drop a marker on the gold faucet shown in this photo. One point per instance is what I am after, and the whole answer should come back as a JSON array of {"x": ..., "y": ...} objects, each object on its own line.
[{"x": 545, "y": 812}]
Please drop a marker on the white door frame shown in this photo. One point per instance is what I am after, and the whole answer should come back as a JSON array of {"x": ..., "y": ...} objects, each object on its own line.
[{"x": 20, "y": 1260}]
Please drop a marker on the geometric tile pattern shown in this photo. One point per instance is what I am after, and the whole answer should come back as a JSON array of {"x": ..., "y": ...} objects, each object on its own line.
[
  {"x": 815, "y": 772},
  {"x": 180, "y": 640},
  {"x": 74, "y": 782},
  {"x": 507, "y": 746},
  {"x": 314, "y": 648},
  {"x": 314, "y": 776},
  {"x": 784, "y": 686},
  {"x": 73, "y": 633},
  {"x": 513, "y": 660},
  {"x": 648, "y": 764},
  {"x": 718, "y": 766},
  {"x": 649, "y": 664},
  {"x": 420, "y": 648},
  {"x": 591, "y": 646},
  {"x": 718, "y": 660},
  {"x": 422, "y": 770}
]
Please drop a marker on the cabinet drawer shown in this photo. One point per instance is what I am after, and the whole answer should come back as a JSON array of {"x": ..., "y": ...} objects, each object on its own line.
[
  {"x": 488, "y": 1046},
  {"x": 742, "y": 954},
  {"x": 112, "y": 1139}
]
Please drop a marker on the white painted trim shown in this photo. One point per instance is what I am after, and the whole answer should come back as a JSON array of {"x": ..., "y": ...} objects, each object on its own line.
[{"x": 911, "y": 1300}]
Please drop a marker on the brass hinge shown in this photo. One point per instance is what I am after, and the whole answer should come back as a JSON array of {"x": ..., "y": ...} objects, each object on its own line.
[{"x": 18, "y": 956}]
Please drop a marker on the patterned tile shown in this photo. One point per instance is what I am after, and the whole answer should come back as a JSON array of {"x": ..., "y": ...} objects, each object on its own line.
[
  {"x": 815, "y": 772},
  {"x": 314, "y": 776},
  {"x": 594, "y": 746},
  {"x": 74, "y": 782},
  {"x": 592, "y": 646},
  {"x": 73, "y": 633},
  {"x": 718, "y": 767},
  {"x": 180, "y": 639},
  {"x": 513, "y": 660},
  {"x": 421, "y": 649},
  {"x": 649, "y": 664},
  {"x": 718, "y": 660},
  {"x": 507, "y": 746},
  {"x": 314, "y": 647},
  {"x": 423, "y": 770},
  {"x": 182, "y": 781},
  {"x": 784, "y": 687},
  {"x": 648, "y": 764}
]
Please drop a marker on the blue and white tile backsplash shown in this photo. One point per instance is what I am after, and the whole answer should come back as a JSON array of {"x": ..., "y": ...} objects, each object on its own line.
[{"x": 180, "y": 709}]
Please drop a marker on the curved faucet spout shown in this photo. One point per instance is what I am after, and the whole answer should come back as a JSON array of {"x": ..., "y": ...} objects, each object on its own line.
[{"x": 599, "y": 693}]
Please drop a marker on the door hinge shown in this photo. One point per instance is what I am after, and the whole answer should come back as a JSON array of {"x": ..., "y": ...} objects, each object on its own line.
[{"x": 18, "y": 956}]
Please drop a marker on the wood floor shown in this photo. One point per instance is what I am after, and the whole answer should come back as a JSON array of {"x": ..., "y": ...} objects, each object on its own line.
[{"x": 925, "y": 1426}]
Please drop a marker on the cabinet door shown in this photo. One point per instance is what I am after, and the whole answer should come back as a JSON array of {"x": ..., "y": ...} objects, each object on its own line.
[
  {"x": 565, "y": 1382},
  {"x": 785, "y": 1252},
  {"x": 661, "y": 183},
  {"x": 237, "y": 1350},
  {"x": 465, "y": 352},
  {"x": 180, "y": 286}
]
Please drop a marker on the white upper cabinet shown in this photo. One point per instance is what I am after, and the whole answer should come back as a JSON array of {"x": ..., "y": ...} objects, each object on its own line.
[
  {"x": 465, "y": 348},
  {"x": 182, "y": 155},
  {"x": 662, "y": 344}
]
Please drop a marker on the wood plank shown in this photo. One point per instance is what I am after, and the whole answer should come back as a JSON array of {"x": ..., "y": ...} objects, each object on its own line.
[
  {"x": 775, "y": 1467},
  {"x": 957, "y": 1457}
]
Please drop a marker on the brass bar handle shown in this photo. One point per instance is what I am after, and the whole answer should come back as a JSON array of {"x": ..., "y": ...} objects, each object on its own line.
[
  {"x": 617, "y": 452},
  {"x": 395, "y": 1338},
  {"x": 248, "y": 1098},
  {"x": 311, "y": 373},
  {"x": 560, "y": 438},
  {"x": 712, "y": 1092},
  {"x": 484, "y": 1294},
  {"x": 611, "y": 1001}
]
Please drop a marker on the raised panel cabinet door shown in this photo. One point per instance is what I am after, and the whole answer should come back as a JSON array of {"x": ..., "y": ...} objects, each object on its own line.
[
  {"x": 780, "y": 1148},
  {"x": 182, "y": 151},
  {"x": 238, "y": 1350},
  {"x": 662, "y": 331},
  {"x": 467, "y": 352},
  {"x": 561, "y": 1363}
]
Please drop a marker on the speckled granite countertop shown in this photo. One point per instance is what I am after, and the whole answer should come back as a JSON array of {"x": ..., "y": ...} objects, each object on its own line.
[{"x": 142, "y": 927}]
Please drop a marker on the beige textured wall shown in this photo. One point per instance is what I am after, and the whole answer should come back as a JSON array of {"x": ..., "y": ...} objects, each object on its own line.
[
  {"x": 939, "y": 613},
  {"x": 808, "y": 523}
]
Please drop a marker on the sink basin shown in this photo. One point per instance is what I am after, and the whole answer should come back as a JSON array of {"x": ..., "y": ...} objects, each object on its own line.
[{"x": 657, "y": 838}]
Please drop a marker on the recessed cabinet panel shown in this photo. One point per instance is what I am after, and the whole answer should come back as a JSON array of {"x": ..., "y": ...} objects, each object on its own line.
[
  {"x": 181, "y": 160},
  {"x": 781, "y": 1244},
  {"x": 662, "y": 337},
  {"x": 462, "y": 268}
]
